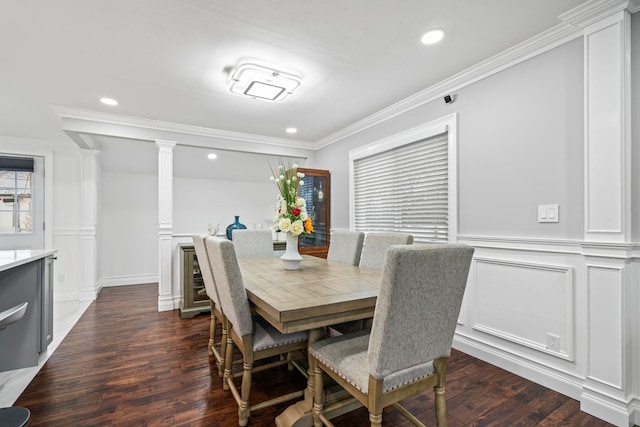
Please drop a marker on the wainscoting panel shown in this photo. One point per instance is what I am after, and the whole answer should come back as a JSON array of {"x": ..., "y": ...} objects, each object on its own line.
[
  {"x": 605, "y": 325},
  {"x": 526, "y": 303}
]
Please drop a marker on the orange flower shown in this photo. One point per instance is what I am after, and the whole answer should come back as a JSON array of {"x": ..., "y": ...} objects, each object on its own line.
[{"x": 308, "y": 225}]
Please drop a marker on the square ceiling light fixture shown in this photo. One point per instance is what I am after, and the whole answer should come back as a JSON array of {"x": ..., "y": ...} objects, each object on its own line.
[{"x": 257, "y": 81}]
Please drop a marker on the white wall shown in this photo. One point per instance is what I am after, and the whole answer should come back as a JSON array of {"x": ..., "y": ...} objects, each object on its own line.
[
  {"x": 197, "y": 202},
  {"x": 129, "y": 235},
  {"x": 65, "y": 229},
  {"x": 520, "y": 144}
]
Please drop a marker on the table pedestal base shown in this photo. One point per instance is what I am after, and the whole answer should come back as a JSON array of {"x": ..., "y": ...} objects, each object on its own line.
[{"x": 299, "y": 414}]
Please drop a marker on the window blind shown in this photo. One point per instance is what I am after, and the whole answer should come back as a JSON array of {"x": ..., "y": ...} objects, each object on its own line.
[
  {"x": 405, "y": 189},
  {"x": 16, "y": 164}
]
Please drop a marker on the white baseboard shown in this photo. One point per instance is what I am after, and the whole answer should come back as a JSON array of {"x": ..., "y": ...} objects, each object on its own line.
[
  {"x": 613, "y": 412},
  {"x": 139, "y": 279},
  {"x": 559, "y": 381}
]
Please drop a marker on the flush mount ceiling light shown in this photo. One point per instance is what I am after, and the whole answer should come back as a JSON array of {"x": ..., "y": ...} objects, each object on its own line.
[
  {"x": 433, "y": 36},
  {"x": 259, "y": 82}
]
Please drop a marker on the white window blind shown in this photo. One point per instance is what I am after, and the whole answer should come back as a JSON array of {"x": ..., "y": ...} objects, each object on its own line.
[{"x": 404, "y": 189}]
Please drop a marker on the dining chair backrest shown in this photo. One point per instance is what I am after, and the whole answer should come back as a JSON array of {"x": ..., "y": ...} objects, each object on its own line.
[
  {"x": 205, "y": 266},
  {"x": 417, "y": 309},
  {"x": 233, "y": 296},
  {"x": 376, "y": 245},
  {"x": 253, "y": 243},
  {"x": 346, "y": 246}
]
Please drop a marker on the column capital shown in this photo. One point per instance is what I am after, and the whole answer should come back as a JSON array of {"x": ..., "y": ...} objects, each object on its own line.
[
  {"x": 593, "y": 11},
  {"x": 165, "y": 145}
]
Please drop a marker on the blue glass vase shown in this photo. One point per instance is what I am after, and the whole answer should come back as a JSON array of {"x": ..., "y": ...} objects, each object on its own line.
[{"x": 235, "y": 226}]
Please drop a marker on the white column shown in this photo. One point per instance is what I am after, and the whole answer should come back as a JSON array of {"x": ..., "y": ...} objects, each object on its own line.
[
  {"x": 88, "y": 222},
  {"x": 165, "y": 222},
  {"x": 608, "y": 129},
  {"x": 612, "y": 299}
]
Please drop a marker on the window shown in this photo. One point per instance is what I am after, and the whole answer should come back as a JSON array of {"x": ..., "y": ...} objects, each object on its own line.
[
  {"x": 404, "y": 184},
  {"x": 16, "y": 212}
]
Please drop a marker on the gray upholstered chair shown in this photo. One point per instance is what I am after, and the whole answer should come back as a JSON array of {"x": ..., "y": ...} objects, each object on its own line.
[
  {"x": 373, "y": 252},
  {"x": 253, "y": 243},
  {"x": 345, "y": 246},
  {"x": 406, "y": 352},
  {"x": 255, "y": 338},
  {"x": 376, "y": 245},
  {"x": 216, "y": 350}
]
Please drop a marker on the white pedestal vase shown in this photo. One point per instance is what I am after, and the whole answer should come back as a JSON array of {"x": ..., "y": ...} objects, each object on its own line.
[{"x": 291, "y": 258}]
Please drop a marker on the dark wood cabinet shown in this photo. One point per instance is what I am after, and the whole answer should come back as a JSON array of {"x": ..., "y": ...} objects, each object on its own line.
[{"x": 316, "y": 192}]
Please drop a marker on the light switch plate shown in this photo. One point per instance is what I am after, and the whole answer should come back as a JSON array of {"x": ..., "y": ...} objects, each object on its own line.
[{"x": 548, "y": 213}]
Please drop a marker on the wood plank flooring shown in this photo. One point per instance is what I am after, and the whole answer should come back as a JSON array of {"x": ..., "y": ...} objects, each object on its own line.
[{"x": 125, "y": 364}]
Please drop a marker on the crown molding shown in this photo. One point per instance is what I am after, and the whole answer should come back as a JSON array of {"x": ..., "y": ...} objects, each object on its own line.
[
  {"x": 156, "y": 125},
  {"x": 593, "y": 11},
  {"x": 532, "y": 47}
]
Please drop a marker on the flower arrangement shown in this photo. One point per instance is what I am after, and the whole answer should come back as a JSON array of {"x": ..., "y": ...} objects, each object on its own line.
[{"x": 291, "y": 210}]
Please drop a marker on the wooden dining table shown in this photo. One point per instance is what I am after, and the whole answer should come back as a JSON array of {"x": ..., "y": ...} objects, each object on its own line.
[{"x": 320, "y": 293}]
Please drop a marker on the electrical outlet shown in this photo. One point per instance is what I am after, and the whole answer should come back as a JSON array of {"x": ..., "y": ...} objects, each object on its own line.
[{"x": 553, "y": 342}]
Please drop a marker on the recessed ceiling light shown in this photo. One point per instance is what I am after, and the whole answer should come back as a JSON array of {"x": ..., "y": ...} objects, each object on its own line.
[
  {"x": 109, "y": 101},
  {"x": 212, "y": 156},
  {"x": 292, "y": 130},
  {"x": 433, "y": 36}
]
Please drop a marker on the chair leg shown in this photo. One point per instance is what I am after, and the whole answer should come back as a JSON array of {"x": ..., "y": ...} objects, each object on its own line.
[
  {"x": 223, "y": 348},
  {"x": 441, "y": 408},
  {"x": 212, "y": 332},
  {"x": 228, "y": 363},
  {"x": 290, "y": 366},
  {"x": 318, "y": 393},
  {"x": 243, "y": 408},
  {"x": 440, "y": 366},
  {"x": 375, "y": 419}
]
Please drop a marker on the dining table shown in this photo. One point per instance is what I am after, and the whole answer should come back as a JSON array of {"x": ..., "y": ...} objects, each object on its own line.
[{"x": 320, "y": 293}]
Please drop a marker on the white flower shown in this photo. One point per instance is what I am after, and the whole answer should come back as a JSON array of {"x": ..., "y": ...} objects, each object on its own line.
[
  {"x": 297, "y": 228},
  {"x": 300, "y": 202},
  {"x": 280, "y": 167},
  {"x": 281, "y": 177},
  {"x": 303, "y": 214},
  {"x": 271, "y": 178},
  {"x": 301, "y": 183},
  {"x": 284, "y": 224},
  {"x": 277, "y": 180},
  {"x": 300, "y": 175},
  {"x": 288, "y": 182},
  {"x": 294, "y": 179},
  {"x": 295, "y": 166}
]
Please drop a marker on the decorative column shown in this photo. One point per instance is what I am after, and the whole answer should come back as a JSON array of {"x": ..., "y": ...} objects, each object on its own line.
[
  {"x": 611, "y": 288},
  {"x": 165, "y": 226},
  {"x": 88, "y": 224}
]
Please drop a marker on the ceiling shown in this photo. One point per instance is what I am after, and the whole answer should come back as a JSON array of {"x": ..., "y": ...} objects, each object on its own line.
[{"x": 168, "y": 60}]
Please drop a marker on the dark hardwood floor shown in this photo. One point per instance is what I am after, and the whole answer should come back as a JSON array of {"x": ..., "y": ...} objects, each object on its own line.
[{"x": 125, "y": 364}]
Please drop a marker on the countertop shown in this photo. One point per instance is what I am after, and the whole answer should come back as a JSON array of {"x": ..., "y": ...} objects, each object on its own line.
[{"x": 14, "y": 258}]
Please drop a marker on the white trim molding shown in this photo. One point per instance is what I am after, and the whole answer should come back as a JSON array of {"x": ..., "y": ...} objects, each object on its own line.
[
  {"x": 607, "y": 65},
  {"x": 516, "y": 273},
  {"x": 165, "y": 223}
]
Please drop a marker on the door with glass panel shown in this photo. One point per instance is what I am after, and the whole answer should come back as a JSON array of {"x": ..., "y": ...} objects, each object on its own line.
[{"x": 21, "y": 202}]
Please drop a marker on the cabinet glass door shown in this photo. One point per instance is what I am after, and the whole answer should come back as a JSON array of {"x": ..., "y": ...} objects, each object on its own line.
[{"x": 316, "y": 193}]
